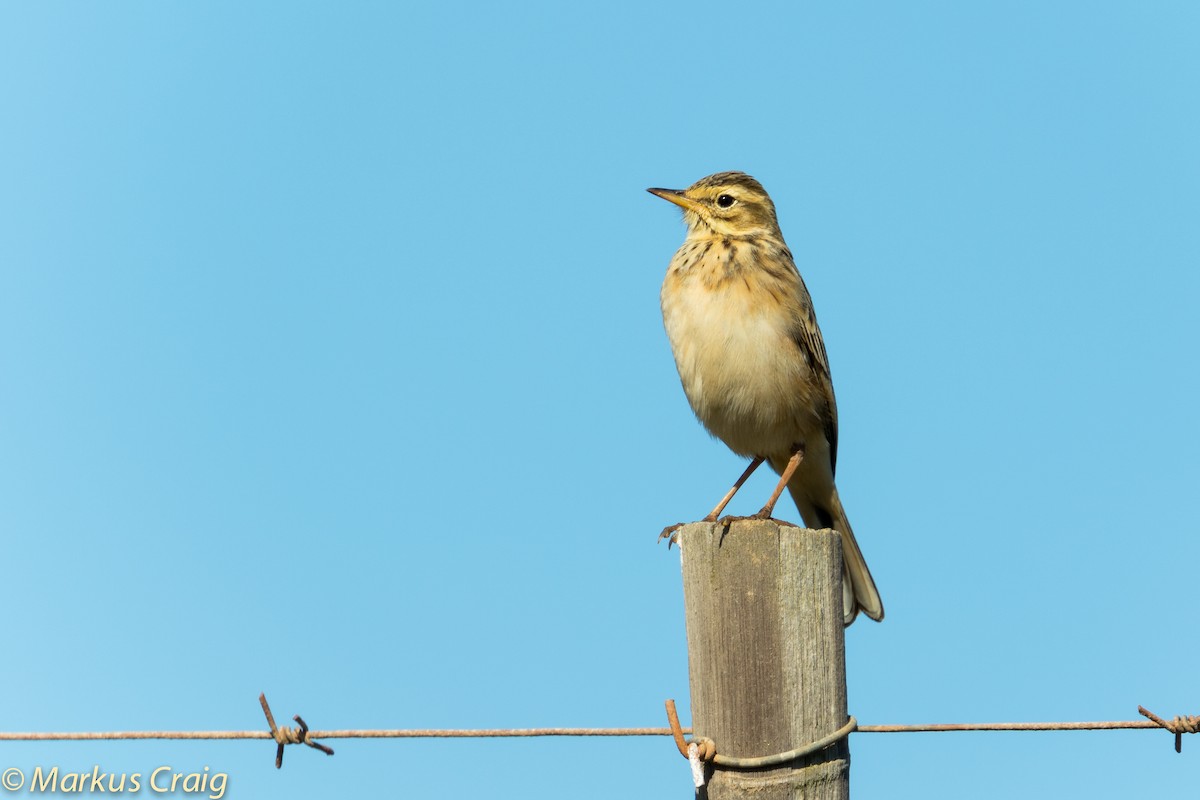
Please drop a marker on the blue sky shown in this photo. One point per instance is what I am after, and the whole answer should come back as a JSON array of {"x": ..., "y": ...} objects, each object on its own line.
[{"x": 331, "y": 366}]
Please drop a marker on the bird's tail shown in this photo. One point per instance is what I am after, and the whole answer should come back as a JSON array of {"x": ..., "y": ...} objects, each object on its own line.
[{"x": 858, "y": 587}]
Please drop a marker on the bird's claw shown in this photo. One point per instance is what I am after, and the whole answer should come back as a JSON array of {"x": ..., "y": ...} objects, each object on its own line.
[{"x": 671, "y": 534}]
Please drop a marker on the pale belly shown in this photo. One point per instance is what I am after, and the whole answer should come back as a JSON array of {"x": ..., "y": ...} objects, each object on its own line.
[{"x": 744, "y": 376}]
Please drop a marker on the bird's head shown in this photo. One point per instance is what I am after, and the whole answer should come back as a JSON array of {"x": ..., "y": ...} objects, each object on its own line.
[{"x": 724, "y": 204}]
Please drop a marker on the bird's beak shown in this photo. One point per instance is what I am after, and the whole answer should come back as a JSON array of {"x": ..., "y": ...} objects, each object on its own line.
[{"x": 677, "y": 197}]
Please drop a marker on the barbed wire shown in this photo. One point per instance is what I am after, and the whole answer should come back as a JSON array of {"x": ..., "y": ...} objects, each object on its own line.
[{"x": 284, "y": 735}]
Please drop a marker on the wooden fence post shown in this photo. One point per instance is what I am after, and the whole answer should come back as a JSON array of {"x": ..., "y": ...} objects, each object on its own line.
[{"x": 766, "y": 654}]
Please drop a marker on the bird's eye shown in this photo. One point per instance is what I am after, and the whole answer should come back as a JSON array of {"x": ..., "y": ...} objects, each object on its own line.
[{"x": 725, "y": 201}]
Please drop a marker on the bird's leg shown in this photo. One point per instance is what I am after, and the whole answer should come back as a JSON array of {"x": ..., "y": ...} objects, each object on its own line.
[
  {"x": 716, "y": 512},
  {"x": 788, "y": 472},
  {"x": 671, "y": 532}
]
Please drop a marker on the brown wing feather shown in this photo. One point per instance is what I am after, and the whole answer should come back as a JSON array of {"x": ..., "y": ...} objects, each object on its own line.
[{"x": 807, "y": 336}]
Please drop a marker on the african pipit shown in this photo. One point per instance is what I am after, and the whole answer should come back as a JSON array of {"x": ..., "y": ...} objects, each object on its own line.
[{"x": 752, "y": 360}]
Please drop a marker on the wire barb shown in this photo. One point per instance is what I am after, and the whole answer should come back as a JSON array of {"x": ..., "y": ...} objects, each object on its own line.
[
  {"x": 1178, "y": 726},
  {"x": 284, "y": 735},
  {"x": 707, "y": 748}
]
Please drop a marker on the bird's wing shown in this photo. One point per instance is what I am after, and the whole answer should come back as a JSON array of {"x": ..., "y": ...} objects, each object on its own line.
[{"x": 807, "y": 336}]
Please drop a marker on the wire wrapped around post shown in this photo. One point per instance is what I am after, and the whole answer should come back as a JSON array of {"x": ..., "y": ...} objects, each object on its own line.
[{"x": 707, "y": 748}]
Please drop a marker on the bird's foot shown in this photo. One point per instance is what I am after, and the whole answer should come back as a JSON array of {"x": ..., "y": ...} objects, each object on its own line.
[
  {"x": 760, "y": 515},
  {"x": 671, "y": 534}
]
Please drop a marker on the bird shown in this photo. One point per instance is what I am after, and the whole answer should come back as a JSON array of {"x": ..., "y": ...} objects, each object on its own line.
[{"x": 752, "y": 360}]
